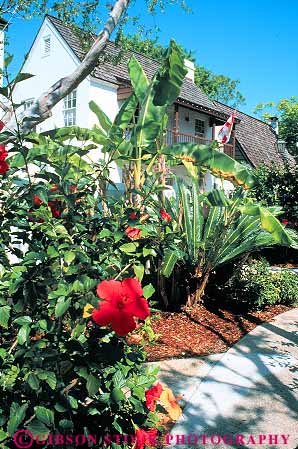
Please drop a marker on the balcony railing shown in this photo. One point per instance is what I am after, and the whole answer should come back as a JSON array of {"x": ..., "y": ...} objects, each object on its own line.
[{"x": 177, "y": 137}]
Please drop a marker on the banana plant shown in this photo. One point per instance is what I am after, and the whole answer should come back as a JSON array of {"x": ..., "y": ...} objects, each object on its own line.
[
  {"x": 215, "y": 230},
  {"x": 207, "y": 157}
]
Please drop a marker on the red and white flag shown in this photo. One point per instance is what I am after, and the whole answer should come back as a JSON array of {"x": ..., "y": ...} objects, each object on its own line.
[{"x": 224, "y": 133}]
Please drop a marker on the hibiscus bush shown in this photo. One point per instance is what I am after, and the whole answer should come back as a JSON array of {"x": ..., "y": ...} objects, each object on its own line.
[{"x": 74, "y": 307}]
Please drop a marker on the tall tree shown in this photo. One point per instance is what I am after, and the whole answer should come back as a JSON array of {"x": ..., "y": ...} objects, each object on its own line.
[
  {"x": 217, "y": 87},
  {"x": 287, "y": 112}
]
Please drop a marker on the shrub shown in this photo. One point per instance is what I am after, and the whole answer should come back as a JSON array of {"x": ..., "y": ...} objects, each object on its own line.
[
  {"x": 288, "y": 287},
  {"x": 257, "y": 287},
  {"x": 278, "y": 186},
  {"x": 60, "y": 371}
]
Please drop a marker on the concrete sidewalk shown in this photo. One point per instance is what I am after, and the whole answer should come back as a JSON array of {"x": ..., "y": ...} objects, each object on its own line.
[{"x": 252, "y": 389}]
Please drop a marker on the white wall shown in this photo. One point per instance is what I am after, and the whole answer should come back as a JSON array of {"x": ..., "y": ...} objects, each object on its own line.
[
  {"x": 47, "y": 70},
  {"x": 105, "y": 96}
]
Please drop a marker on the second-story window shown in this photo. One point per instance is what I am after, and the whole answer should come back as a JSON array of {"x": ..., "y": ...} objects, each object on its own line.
[
  {"x": 199, "y": 127},
  {"x": 70, "y": 108},
  {"x": 46, "y": 50},
  {"x": 29, "y": 102}
]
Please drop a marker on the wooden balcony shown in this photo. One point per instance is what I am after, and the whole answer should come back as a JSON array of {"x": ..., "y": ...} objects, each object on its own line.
[{"x": 173, "y": 136}]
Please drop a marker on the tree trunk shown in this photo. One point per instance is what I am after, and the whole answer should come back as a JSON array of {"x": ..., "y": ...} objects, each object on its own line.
[{"x": 196, "y": 294}]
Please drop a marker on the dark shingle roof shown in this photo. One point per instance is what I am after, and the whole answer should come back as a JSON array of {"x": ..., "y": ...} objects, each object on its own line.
[
  {"x": 256, "y": 138},
  {"x": 115, "y": 73}
]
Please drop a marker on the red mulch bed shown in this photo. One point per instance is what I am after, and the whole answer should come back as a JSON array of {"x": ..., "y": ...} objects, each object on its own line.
[{"x": 203, "y": 331}]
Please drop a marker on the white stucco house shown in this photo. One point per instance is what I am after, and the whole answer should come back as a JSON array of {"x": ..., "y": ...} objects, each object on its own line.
[{"x": 56, "y": 52}]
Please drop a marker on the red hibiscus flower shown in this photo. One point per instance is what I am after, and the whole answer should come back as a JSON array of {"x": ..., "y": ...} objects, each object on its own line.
[
  {"x": 1, "y": 125},
  {"x": 285, "y": 222},
  {"x": 133, "y": 233},
  {"x": 37, "y": 201},
  {"x": 3, "y": 153},
  {"x": 145, "y": 438},
  {"x": 54, "y": 206},
  {"x": 152, "y": 395},
  {"x": 165, "y": 216},
  {"x": 122, "y": 301},
  {"x": 132, "y": 216},
  {"x": 3, "y": 167}
]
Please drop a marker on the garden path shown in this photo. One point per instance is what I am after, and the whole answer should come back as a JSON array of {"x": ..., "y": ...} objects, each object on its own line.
[{"x": 252, "y": 389}]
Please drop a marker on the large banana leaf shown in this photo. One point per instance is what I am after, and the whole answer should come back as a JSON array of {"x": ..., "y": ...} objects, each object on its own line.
[
  {"x": 269, "y": 223},
  {"x": 138, "y": 79},
  {"x": 218, "y": 163},
  {"x": 102, "y": 118},
  {"x": 155, "y": 97},
  {"x": 170, "y": 77},
  {"x": 111, "y": 135}
]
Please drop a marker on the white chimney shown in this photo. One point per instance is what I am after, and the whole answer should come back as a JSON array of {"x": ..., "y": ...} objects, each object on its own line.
[
  {"x": 273, "y": 122},
  {"x": 189, "y": 65}
]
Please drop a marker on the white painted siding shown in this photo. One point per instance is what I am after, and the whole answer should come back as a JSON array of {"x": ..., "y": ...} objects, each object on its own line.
[{"x": 48, "y": 69}]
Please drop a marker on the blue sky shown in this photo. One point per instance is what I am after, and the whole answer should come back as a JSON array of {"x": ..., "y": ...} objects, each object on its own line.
[{"x": 254, "y": 41}]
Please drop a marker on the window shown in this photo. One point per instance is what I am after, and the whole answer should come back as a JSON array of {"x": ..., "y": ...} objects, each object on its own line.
[
  {"x": 69, "y": 109},
  {"x": 46, "y": 46},
  {"x": 199, "y": 127},
  {"x": 28, "y": 103}
]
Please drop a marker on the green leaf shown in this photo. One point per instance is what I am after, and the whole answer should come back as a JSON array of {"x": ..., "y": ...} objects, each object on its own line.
[
  {"x": 92, "y": 385},
  {"x": 138, "y": 78},
  {"x": 16, "y": 417},
  {"x": 23, "y": 320},
  {"x": 73, "y": 402},
  {"x": 139, "y": 271},
  {"x": 69, "y": 257},
  {"x": 3, "y": 353},
  {"x": 4, "y": 316},
  {"x": 33, "y": 381},
  {"x": 44, "y": 415},
  {"x": 103, "y": 119},
  {"x": 105, "y": 233},
  {"x": 39, "y": 429},
  {"x": 217, "y": 197},
  {"x": 119, "y": 379},
  {"x": 149, "y": 252},
  {"x": 185, "y": 197},
  {"x": 62, "y": 306},
  {"x": 148, "y": 291},
  {"x": 23, "y": 334},
  {"x": 129, "y": 248},
  {"x": 3, "y": 435},
  {"x": 117, "y": 395},
  {"x": 124, "y": 116},
  {"x": 218, "y": 163},
  {"x": 269, "y": 223},
  {"x": 48, "y": 376},
  {"x": 66, "y": 424},
  {"x": 169, "y": 260},
  {"x": 22, "y": 77},
  {"x": 104, "y": 398},
  {"x": 170, "y": 77},
  {"x": 7, "y": 60}
]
